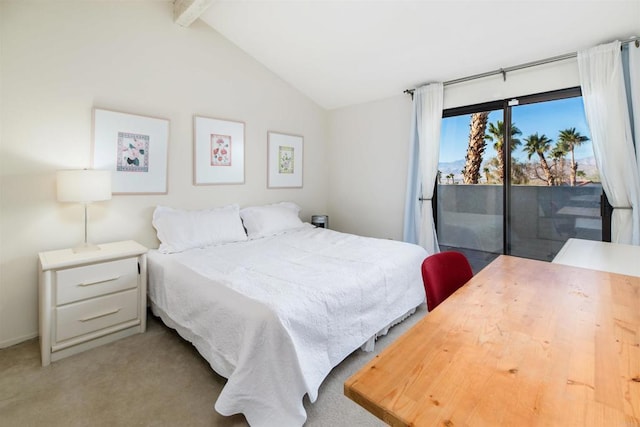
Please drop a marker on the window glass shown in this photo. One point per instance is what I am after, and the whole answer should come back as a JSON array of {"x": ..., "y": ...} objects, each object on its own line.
[{"x": 553, "y": 191}]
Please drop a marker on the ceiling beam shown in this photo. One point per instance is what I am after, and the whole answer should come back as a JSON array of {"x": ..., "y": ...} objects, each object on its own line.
[{"x": 187, "y": 11}]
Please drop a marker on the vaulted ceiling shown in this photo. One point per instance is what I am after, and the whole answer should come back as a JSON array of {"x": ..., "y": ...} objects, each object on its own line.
[{"x": 347, "y": 52}]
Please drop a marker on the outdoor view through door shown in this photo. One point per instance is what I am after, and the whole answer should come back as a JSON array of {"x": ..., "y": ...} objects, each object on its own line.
[{"x": 553, "y": 191}]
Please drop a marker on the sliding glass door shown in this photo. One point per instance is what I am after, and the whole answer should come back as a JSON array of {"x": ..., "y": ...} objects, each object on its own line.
[
  {"x": 557, "y": 193},
  {"x": 517, "y": 177},
  {"x": 469, "y": 196}
]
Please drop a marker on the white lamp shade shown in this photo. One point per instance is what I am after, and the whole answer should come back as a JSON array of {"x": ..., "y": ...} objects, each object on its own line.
[{"x": 83, "y": 186}]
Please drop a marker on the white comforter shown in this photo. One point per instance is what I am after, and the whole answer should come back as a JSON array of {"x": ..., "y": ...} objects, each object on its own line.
[{"x": 275, "y": 315}]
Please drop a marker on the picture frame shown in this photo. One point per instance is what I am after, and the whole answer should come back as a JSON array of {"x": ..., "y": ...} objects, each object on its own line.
[
  {"x": 285, "y": 160},
  {"x": 218, "y": 151},
  {"x": 134, "y": 148}
]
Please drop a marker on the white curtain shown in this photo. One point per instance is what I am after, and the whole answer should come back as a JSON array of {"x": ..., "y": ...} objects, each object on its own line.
[
  {"x": 411, "y": 206},
  {"x": 425, "y": 145},
  {"x": 605, "y": 102},
  {"x": 634, "y": 92}
]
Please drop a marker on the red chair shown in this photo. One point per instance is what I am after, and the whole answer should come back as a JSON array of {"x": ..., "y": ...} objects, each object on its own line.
[{"x": 443, "y": 273}]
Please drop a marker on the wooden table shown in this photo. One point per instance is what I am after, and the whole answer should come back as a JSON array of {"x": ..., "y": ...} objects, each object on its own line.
[
  {"x": 604, "y": 256},
  {"x": 523, "y": 343}
]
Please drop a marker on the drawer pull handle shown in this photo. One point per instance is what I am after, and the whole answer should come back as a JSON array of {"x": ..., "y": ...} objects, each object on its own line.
[
  {"x": 109, "y": 313},
  {"x": 99, "y": 281}
]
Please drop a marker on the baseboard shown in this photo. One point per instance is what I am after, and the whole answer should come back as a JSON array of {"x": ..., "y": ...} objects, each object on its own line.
[{"x": 18, "y": 340}]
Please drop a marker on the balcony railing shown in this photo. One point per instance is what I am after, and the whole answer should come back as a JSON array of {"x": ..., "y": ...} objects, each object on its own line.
[{"x": 542, "y": 218}]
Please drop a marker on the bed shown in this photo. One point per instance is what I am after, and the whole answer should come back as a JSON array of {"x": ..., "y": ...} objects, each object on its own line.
[{"x": 275, "y": 308}]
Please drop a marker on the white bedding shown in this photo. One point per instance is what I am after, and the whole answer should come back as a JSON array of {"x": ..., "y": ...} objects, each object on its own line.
[{"x": 275, "y": 315}]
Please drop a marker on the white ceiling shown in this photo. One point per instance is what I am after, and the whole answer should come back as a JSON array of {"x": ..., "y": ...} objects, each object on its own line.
[{"x": 347, "y": 52}]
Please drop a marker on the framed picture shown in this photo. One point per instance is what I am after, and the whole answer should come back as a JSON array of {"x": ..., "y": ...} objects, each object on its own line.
[
  {"x": 218, "y": 151},
  {"x": 284, "y": 160},
  {"x": 133, "y": 148}
]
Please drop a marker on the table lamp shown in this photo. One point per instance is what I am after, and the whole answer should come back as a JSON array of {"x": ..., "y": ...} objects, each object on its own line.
[{"x": 84, "y": 186}]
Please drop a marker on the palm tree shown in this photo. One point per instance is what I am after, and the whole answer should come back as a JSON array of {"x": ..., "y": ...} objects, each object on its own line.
[
  {"x": 496, "y": 134},
  {"x": 557, "y": 154},
  {"x": 487, "y": 174},
  {"x": 539, "y": 145},
  {"x": 571, "y": 139},
  {"x": 451, "y": 176},
  {"x": 475, "y": 149}
]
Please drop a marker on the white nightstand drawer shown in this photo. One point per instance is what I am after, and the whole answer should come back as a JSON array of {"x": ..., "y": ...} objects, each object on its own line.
[
  {"x": 90, "y": 298},
  {"x": 74, "y": 284},
  {"x": 83, "y": 317}
]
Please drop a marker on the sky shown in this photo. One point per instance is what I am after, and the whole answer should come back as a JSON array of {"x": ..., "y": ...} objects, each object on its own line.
[{"x": 547, "y": 118}]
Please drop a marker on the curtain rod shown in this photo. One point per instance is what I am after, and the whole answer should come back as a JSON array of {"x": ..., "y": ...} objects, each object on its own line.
[{"x": 506, "y": 70}]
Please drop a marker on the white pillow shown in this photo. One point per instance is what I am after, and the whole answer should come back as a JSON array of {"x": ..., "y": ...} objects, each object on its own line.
[
  {"x": 179, "y": 229},
  {"x": 269, "y": 220}
]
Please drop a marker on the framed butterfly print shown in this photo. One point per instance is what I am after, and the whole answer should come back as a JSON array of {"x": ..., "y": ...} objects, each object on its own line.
[{"x": 133, "y": 148}]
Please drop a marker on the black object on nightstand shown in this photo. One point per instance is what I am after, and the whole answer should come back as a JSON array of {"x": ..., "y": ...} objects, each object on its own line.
[{"x": 321, "y": 221}]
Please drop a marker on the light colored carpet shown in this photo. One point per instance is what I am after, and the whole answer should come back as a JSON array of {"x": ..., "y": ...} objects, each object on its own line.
[{"x": 150, "y": 379}]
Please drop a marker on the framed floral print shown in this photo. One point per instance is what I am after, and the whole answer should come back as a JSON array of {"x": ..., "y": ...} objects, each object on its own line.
[
  {"x": 133, "y": 148},
  {"x": 284, "y": 160},
  {"x": 218, "y": 151}
]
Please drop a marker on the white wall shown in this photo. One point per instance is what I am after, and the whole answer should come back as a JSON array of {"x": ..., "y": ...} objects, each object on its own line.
[
  {"x": 368, "y": 152},
  {"x": 58, "y": 60},
  {"x": 529, "y": 81},
  {"x": 369, "y": 147}
]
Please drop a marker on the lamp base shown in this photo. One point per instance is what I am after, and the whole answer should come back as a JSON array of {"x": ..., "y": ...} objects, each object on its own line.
[{"x": 86, "y": 247}]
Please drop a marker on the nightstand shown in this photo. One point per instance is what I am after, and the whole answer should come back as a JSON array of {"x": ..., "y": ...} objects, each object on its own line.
[
  {"x": 320, "y": 221},
  {"x": 91, "y": 298}
]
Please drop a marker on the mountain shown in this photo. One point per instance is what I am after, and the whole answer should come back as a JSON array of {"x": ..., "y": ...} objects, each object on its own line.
[
  {"x": 585, "y": 164},
  {"x": 454, "y": 168}
]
